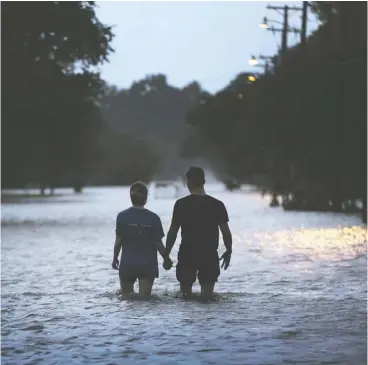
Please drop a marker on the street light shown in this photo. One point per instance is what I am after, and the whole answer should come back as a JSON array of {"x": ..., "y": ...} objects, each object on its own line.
[
  {"x": 253, "y": 61},
  {"x": 264, "y": 23},
  {"x": 252, "y": 78}
]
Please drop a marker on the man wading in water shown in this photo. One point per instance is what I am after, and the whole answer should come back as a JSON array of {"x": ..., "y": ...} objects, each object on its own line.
[
  {"x": 139, "y": 235},
  {"x": 199, "y": 216}
]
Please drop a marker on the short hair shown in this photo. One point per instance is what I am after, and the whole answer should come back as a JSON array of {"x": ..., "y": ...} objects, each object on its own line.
[
  {"x": 138, "y": 193},
  {"x": 195, "y": 176}
]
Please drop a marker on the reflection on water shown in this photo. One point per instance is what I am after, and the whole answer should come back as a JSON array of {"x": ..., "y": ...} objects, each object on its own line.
[
  {"x": 319, "y": 244},
  {"x": 295, "y": 292}
]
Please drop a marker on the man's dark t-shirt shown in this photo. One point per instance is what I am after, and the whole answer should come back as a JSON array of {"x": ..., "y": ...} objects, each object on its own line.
[{"x": 199, "y": 217}]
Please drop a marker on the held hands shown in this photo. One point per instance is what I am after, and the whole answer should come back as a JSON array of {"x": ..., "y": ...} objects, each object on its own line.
[
  {"x": 226, "y": 257},
  {"x": 167, "y": 265},
  {"x": 115, "y": 264}
]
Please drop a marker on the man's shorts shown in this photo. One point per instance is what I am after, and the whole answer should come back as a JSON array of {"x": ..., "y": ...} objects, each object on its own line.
[{"x": 192, "y": 265}]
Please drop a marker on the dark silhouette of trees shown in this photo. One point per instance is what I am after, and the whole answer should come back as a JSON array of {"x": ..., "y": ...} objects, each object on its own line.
[
  {"x": 50, "y": 91},
  {"x": 300, "y": 130},
  {"x": 122, "y": 159},
  {"x": 61, "y": 124},
  {"x": 155, "y": 112}
]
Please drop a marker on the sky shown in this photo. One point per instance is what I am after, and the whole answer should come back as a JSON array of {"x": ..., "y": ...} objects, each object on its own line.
[{"x": 204, "y": 41}]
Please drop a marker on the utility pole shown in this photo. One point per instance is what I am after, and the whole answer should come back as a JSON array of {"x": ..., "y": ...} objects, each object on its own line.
[
  {"x": 338, "y": 142},
  {"x": 267, "y": 67},
  {"x": 303, "y": 34},
  {"x": 285, "y": 31},
  {"x": 284, "y": 45},
  {"x": 285, "y": 25},
  {"x": 302, "y": 162}
]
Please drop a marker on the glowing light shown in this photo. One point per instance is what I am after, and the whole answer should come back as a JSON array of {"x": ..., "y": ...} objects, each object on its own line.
[
  {"x": 251, "y": 78},
  {"x": 264, "y": 23},
  {"x": 253, "y": 61}
]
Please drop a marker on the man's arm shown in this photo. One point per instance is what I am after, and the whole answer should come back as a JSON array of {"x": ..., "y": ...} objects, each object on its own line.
[
  {"x": 223, "y": 219},
  {"x": 117, "y": 247},
  {"x": 171, "y": 237},
  {"x": 227, "y": 236},
  {"x": 174, "y": 228}
]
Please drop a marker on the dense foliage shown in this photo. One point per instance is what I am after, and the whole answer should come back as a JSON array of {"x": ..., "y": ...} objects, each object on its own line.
[
  {"x": 300, "y": 130},
  {"x": 50, "y": 90},
  {"x": 62, "y": 125},
  {"x": 155, "y": 112}
]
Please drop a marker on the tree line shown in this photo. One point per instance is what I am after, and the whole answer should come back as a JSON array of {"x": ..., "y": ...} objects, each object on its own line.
[
  {"x": 299, "y": 131},
  {"x": 50, "y": 91},
  {"x": 155, "y": 112},
  {"x": 62, "y": 125}
]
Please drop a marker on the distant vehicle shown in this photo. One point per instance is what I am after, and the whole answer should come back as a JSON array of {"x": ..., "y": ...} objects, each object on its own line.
[
  {"x": 167, "y": 189},
  {"x": 232, "y": 185}
]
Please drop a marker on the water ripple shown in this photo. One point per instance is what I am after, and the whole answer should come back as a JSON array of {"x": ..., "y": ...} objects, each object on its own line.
[{"x": 295, "y": 292}]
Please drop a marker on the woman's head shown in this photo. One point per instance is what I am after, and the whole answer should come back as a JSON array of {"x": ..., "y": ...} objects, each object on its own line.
[{"x": 138, "y": 193}]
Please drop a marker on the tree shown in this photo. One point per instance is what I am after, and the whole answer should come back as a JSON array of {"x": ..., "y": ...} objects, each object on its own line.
[
  {"x": 123, "y": 159},
  {"x": 50, "y": 87},
  {"x": 302, "y": 127},
  {"x": 153, "y": 110}
]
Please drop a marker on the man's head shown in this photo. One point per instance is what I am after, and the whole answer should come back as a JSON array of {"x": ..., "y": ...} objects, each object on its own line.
[
  {"x": 138, "y": 193},
  {"x": 195, "y": 178}
]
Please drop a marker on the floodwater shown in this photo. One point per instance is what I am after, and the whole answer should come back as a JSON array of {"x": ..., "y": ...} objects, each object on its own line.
[{"x": 295, "y": 292}]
